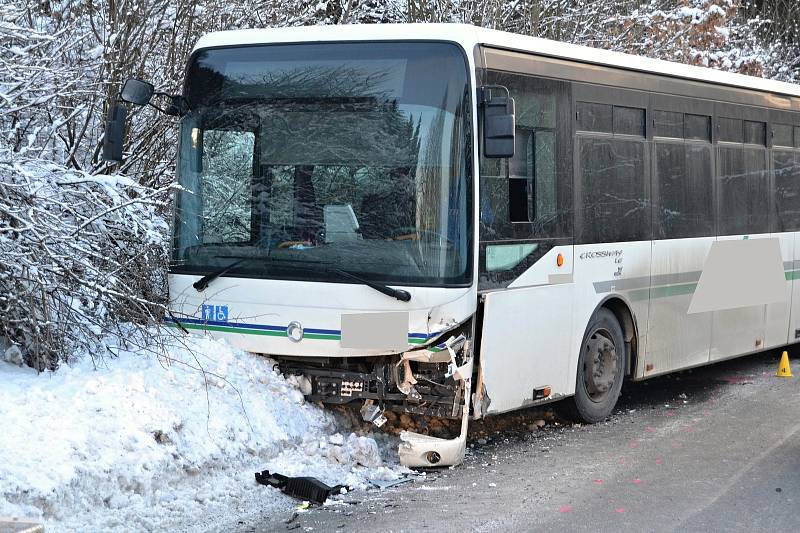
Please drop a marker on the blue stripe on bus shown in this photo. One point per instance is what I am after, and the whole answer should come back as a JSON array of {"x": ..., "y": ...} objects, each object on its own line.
[{"x": 267, "y": 327}]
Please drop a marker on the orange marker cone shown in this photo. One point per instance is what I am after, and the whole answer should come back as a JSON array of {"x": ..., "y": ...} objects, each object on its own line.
[{"x": 784, "y": 370}]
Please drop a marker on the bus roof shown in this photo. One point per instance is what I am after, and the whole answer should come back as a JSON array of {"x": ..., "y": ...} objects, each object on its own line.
[{"x": 468, "y": 36}]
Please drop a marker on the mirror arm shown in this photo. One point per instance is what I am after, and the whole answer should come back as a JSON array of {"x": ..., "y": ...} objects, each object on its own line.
[
  {"x": 175, "y": 108},
  {"x": 151, "y": 104}
]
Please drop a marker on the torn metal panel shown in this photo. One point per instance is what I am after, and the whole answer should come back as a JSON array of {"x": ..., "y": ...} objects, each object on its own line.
[
  {"x": 480, "y": 398},
  {"x": 418, "y": 450}
]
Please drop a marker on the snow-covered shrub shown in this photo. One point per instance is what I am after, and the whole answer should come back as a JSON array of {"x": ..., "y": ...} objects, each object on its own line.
[{"x": 80, "y": 253}]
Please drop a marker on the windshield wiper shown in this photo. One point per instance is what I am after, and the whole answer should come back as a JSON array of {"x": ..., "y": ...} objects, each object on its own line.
[
  {"x": 400, "y": 294},
  {"x": 203, "y": 282}
]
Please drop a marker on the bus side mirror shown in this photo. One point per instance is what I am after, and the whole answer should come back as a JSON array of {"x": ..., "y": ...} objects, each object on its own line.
[
  {"x": 115, "y": 130},
  {"x": 137, "y": 92},
  {"x": 498, "y": 122}
]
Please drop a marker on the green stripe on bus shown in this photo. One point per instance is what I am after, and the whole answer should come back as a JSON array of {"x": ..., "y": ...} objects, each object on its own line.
[
  {"x": 270, "y": 333},
  {"x": 792, "y": 274},
  {"x": 662, "y": 292}
]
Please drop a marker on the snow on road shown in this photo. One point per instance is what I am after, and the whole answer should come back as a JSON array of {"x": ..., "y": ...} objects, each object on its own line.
[{"x": 142, "y": 443}]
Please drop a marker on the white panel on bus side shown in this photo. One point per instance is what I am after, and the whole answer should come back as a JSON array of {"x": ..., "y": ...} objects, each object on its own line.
[
  {"x": 777, "y": 326},
  {"x": 676, "y": 339},
  {"x": 793, "y": 272},
  {"x": 525, "y": 344},
  {"x": 738, "y": 331},
  {"x": 614, "y": 270}
]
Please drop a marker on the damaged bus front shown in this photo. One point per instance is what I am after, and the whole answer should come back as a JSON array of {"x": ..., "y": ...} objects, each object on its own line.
[{"x": 326, "y": 219}]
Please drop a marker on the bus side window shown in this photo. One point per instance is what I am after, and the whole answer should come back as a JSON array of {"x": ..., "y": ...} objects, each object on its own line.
[
  {"x": 529, "y": 195},
  {"x": 615, "y": 206},
  {"x": 526, "y": 202}
]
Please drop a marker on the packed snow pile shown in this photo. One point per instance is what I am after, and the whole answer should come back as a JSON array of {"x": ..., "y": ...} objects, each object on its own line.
[{"x": 146, "y": 442}]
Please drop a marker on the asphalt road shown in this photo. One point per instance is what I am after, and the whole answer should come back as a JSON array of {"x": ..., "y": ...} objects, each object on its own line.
[{"x": 713, "y": 449}]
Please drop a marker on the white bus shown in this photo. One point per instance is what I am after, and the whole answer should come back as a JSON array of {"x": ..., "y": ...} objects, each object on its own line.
[{"x": 452, "y": 221}]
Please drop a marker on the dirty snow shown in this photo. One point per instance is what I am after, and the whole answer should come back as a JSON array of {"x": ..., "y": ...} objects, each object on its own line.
[{"x": 142, "y": 443}]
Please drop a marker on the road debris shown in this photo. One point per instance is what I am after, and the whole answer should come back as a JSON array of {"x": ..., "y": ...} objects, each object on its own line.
[
  {"x": 385, "y": 484},
  {"x": 302, "y": 488}
]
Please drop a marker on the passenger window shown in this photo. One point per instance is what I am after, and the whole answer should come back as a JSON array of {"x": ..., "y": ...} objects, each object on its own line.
[
  {"x": 787, "y": 189},
  {"x": 698, "y": 127},
  {"x": 730, "y": 130},
  {"x": 595, "y": 117},
  {"x": 755, "y": 133},
  {"x": 743, "y": 191},
  {"x": 614, "y": 201},
  {"x": 782, "y": 135},
  {"x": 628, "y": 121},
  {"x": 683, "y": 191},
  {"x": 668, "y": 124},
  {"x": 530, "y": 195},
  {"x": 532, "y": 176},
  {"x": 526, "y": 202}
]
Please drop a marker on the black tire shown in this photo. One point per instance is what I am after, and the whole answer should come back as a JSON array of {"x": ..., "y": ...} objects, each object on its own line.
[{"x": 603, "y": 351}]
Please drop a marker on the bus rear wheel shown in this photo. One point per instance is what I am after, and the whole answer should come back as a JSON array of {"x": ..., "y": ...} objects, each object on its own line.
[{"x": 601, "y": 367}]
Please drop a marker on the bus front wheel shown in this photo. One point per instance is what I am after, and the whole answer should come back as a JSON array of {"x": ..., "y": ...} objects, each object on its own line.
[{"x": 601, "y": 367}]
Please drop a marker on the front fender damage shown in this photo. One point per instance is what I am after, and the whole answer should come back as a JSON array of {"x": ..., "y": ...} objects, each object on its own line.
[{"x": 417, "y": 450}]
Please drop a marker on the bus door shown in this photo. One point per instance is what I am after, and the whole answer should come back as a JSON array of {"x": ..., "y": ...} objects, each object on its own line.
[
  {"x": 743, "y": 200},
  {"x": 683, "y": 232},
  {"x": 525, "y": 259},
  {"x": 783, "y": 319}
]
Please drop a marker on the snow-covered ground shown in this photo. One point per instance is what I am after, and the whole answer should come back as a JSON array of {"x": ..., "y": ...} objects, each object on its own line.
[{"x": 144, "y": 442}]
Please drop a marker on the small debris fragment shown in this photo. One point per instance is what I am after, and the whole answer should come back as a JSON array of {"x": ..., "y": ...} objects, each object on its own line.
[
  {"x": 540, "y": 423},
  {"x": 492, "y": 484},
  {"x": 385, "y": 484},
  {"x": 778, "y": 489}
]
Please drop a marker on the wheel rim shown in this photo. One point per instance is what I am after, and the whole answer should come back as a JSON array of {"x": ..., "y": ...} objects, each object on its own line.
[{"x": 600, "y": 363}]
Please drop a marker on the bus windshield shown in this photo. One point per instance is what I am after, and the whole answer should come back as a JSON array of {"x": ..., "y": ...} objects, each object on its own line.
[{"x": 351, "y": 156}]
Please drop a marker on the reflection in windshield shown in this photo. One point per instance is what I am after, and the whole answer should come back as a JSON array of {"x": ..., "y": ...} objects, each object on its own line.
[{"x": 303, "y": 153}]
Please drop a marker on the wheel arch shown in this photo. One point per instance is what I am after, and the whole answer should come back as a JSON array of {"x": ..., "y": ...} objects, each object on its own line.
[{"x": 630, "y": 330}]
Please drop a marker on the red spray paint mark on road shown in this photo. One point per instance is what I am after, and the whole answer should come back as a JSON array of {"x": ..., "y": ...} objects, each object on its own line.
[
  {"x": 637, "y": 481},
  {"x": 670, "y": 413},
  {"x": 658, "y": 460},
  {"x": 706, "y": 413},
  {"x": 649, "y": 429},
  {"x": 634, "y": 444},
  {"x": 564, "y": 509},
  {"x": 676, "y": 444},
  {"x": 622, "y": 460},
  {"x": 619, "y": 510},
  {"x": 598, "y": 481}
]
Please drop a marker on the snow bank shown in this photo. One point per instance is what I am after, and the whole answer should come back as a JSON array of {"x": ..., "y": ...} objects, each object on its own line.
[{"x": 144, "y": 444}]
